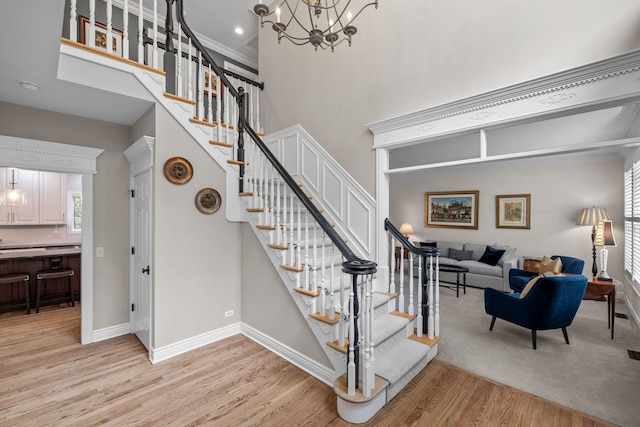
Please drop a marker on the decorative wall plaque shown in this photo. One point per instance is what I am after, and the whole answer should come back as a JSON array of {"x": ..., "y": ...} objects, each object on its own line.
[
  {"x": 208, "y": 200},
  {"x": 178, "y": 170}
]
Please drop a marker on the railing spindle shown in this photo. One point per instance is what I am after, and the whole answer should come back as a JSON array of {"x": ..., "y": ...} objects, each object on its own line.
[
  {"x": 430, "y": 325},
  {"x": 125, "y": 29},
  {"x": 292, "y": 252},
  {"x": 392, "y": 267},
  {"x": 332, "y": 302},
  {"x": 307, "y": 267},
  {"x": 401, "y": 294},
  {"x": 109, "y": 27},
  {"x": 210, "y": 97},
  {"x": 141, "y": 33},
  {"x": 92, "y": 23},
  {"x": 411, "y": 310},
  {"x": 73, "y": 21},
  {"x": 419, "y": 318}
]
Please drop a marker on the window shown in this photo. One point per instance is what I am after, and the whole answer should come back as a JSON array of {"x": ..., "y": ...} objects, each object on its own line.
[
  {"x": 632, "y": 221},
  {"x": 74, "y": 213}
]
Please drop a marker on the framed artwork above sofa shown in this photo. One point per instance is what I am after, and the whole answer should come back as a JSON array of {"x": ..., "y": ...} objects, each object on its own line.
[{"x": 451, "y": 209}]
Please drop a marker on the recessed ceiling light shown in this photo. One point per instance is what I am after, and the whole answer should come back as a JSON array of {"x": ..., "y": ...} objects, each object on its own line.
[
  {"x": 29, "y": 86},
  {"x": 239, "y": 31}
]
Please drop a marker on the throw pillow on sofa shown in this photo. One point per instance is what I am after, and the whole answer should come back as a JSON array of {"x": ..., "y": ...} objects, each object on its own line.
[
  {"x": 491, "y": 256},
  {"x": 550, "y": 265},
  {"x": 459, "y": 255}
]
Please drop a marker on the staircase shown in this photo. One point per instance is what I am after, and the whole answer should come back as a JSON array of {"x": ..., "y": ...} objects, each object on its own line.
[{"x": 374, "y": 345}]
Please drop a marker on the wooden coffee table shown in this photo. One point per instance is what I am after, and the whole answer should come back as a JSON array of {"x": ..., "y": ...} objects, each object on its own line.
[{"x": 596, "y": 289}]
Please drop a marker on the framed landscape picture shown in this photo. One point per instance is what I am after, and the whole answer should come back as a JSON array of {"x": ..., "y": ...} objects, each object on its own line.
[
  {"x": 451, "y": 209},
  {"x": 513, "y": 211}
]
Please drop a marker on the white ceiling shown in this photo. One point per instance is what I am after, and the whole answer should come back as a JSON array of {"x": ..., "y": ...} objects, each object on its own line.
[{"x": 30, "y": 32}]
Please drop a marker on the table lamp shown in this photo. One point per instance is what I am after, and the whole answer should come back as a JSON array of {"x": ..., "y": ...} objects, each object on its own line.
[
  {"x": 591, "y": 216},
  {"x": 604, "y": 238},
  {"x": 406, "y": 229}
]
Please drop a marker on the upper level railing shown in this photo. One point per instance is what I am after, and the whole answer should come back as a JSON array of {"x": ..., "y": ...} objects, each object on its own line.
[{"x": 194, "y": 77}]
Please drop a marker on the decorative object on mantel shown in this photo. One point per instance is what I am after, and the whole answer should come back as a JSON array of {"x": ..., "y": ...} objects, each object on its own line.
[
  {"x": 320, "y": 23},
  {"x": 513, "y": 211},
  {"x": 208, "y": 200},
  {"x": 451, "y": 209},
  {"x": 604, "y": 238},
  {"x": 591, "y": 216},
  {"x": 12, "y": 195},
  {"x": 406, "y": 229},
  {"x": 178, "y": 170}
]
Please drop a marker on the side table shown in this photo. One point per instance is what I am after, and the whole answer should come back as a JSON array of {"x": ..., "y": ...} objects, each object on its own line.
[{"x": 596, "y": 289}]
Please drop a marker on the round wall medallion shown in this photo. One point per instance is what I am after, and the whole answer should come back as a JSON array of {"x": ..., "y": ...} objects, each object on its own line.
[
  {"x": 178, "y": 170},
  {"x": 208, "y": 200}
]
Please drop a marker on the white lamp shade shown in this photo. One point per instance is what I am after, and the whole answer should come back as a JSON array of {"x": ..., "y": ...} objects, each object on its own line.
[
  {"x": 591, "y": 216},
  {"x": 406, "y": 228}
]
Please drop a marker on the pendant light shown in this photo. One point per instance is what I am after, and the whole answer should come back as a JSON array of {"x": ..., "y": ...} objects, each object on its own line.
[{"x": 13, "y": 195}]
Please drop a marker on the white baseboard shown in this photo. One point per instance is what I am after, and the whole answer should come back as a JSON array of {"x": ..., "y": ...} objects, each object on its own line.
[
  {"x": 632, "y": 312},
  {"x": 111, "y": 332},
  {"x": 310, "y": 366},
  {"x": 163, "y": 353}
]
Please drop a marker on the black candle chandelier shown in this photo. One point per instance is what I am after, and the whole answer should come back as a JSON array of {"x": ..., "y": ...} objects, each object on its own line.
[{"x": 323, "y": 23}]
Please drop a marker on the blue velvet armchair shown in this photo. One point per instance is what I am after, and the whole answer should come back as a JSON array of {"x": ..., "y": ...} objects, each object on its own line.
[
  {"x": 518, "y": 279},
  {"x": 552, "y": 303}
]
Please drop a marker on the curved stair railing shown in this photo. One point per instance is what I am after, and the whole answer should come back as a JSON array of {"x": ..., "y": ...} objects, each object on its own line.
[{"x": 428, "y": 316}]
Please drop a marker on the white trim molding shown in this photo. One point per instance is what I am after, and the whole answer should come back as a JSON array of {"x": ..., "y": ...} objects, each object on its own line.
[
  {"x": 56, "y": 157},
  {"x": 168, "y": 351},
  {"x": 111, "y": 332}
]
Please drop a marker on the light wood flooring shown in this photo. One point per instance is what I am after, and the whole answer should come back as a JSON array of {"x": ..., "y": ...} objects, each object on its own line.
[{"x": 48, "y": 379}]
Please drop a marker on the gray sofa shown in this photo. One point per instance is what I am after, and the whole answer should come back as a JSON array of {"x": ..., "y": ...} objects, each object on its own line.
[{"x": 480, "y": 274}]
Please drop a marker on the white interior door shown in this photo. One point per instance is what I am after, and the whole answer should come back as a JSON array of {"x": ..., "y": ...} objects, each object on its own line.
[{"x": 141, "y": 304}]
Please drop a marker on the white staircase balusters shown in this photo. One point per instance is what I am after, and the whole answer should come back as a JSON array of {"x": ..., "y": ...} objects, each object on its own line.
[
  {"x": 209, "y": 88},
  {"x": 365, "y": 336},
  {"x": 323, "y": 285},
  {"x": 279, "y": 239},
  {"x": 401, "y": 294},
  {"x": 298, "y": 241},
  {"x": 411, "y": 309},
  {"x": 342, "y": 329},
  {"x": 141, "y": 34},
  {"x": 125, "y": 29},
  {"x": 307, "y": 267},
  {"x": 292, "y": 251},
  {"x": 392, "y": 266},
  {"x": 372, "y": 359},
  {"x": 92, "y": 23},
  {"x": 219, "y": 109},
  {"x": 73, "y": 21},
  {"x": 437, "y": 299},
  {"x": 155, "y": 35},
  {"x": 189, "y": 93},
  {"x": 314, "y": 286},
  {"x": 199, "y": 100},
  {"x": 285, "y": 225},
  {"x": 225, "y": 119},
  {"x": 270, "y": 220},
  {"x": 332, "y": 302},
  {"x": 265, "y": 194},
  {"x": 109, "y": 26}
]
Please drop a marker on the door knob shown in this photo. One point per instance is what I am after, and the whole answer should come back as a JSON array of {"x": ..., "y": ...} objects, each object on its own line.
[{"x": 146, "y": 269}]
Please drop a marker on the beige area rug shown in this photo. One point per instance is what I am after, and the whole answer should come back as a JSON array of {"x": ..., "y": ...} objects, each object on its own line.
[{"x": 594, "y": 374}]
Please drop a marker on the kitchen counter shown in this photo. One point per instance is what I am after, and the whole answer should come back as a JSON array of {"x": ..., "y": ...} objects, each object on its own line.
[{"x": 26, "y": 251}]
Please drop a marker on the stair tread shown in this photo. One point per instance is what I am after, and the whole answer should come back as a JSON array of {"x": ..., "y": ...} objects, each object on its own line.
[{"x": 408, "y": 352}]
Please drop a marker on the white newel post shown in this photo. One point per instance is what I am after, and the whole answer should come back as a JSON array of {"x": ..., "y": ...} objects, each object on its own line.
[
  {"x": 437, "y": 291},
  {"x": 430, "y": 325},
  {"x": 392, "y": 267},
  {"x": 419, "y": 318},
  {"x": 401, "y": 295},
  {"x": 411, "y": 308}
]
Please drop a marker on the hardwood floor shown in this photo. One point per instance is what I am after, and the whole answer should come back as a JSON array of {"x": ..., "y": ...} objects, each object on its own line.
[{"x": 47, "y": 378}]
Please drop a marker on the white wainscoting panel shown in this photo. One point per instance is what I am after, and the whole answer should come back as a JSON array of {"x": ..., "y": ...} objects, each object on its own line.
[
  {"x": 345, "y": 202},
  {"x": 310, "y": 165},
  {"x": 333, "y": 191}
]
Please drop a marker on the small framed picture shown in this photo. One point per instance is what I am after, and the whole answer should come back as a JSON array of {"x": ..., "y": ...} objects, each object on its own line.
[
  {"x": 451, "y": 209},
  {"x": 513, "y": 211},
  {"x": 101, "y": 36}
]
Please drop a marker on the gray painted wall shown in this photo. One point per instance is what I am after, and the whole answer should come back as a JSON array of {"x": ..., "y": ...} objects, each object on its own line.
[{"x": 196, "y": 256}]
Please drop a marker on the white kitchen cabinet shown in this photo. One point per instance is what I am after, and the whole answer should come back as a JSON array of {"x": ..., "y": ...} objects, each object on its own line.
[
  {"x": 29, "y": 182},
  {"x": 53, "y": 198}
]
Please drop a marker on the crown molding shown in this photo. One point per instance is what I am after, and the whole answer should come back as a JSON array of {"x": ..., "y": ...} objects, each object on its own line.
[
  {"x": 31, "y": 153},
  {"x": 602, "y": 84}
]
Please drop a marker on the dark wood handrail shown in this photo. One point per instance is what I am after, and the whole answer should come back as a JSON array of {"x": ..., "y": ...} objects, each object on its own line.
[{"x": 423, "y": 250}]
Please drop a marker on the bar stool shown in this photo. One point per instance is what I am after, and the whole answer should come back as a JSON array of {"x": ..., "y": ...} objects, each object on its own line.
[
  {"x": 17, "y": 278},
  {"x": 55, "y": 274}
]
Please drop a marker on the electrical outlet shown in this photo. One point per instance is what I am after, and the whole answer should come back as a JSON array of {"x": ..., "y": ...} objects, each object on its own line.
[
  {"x": 99, "y": 252},
  {"x": 228, "y": 313}
]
